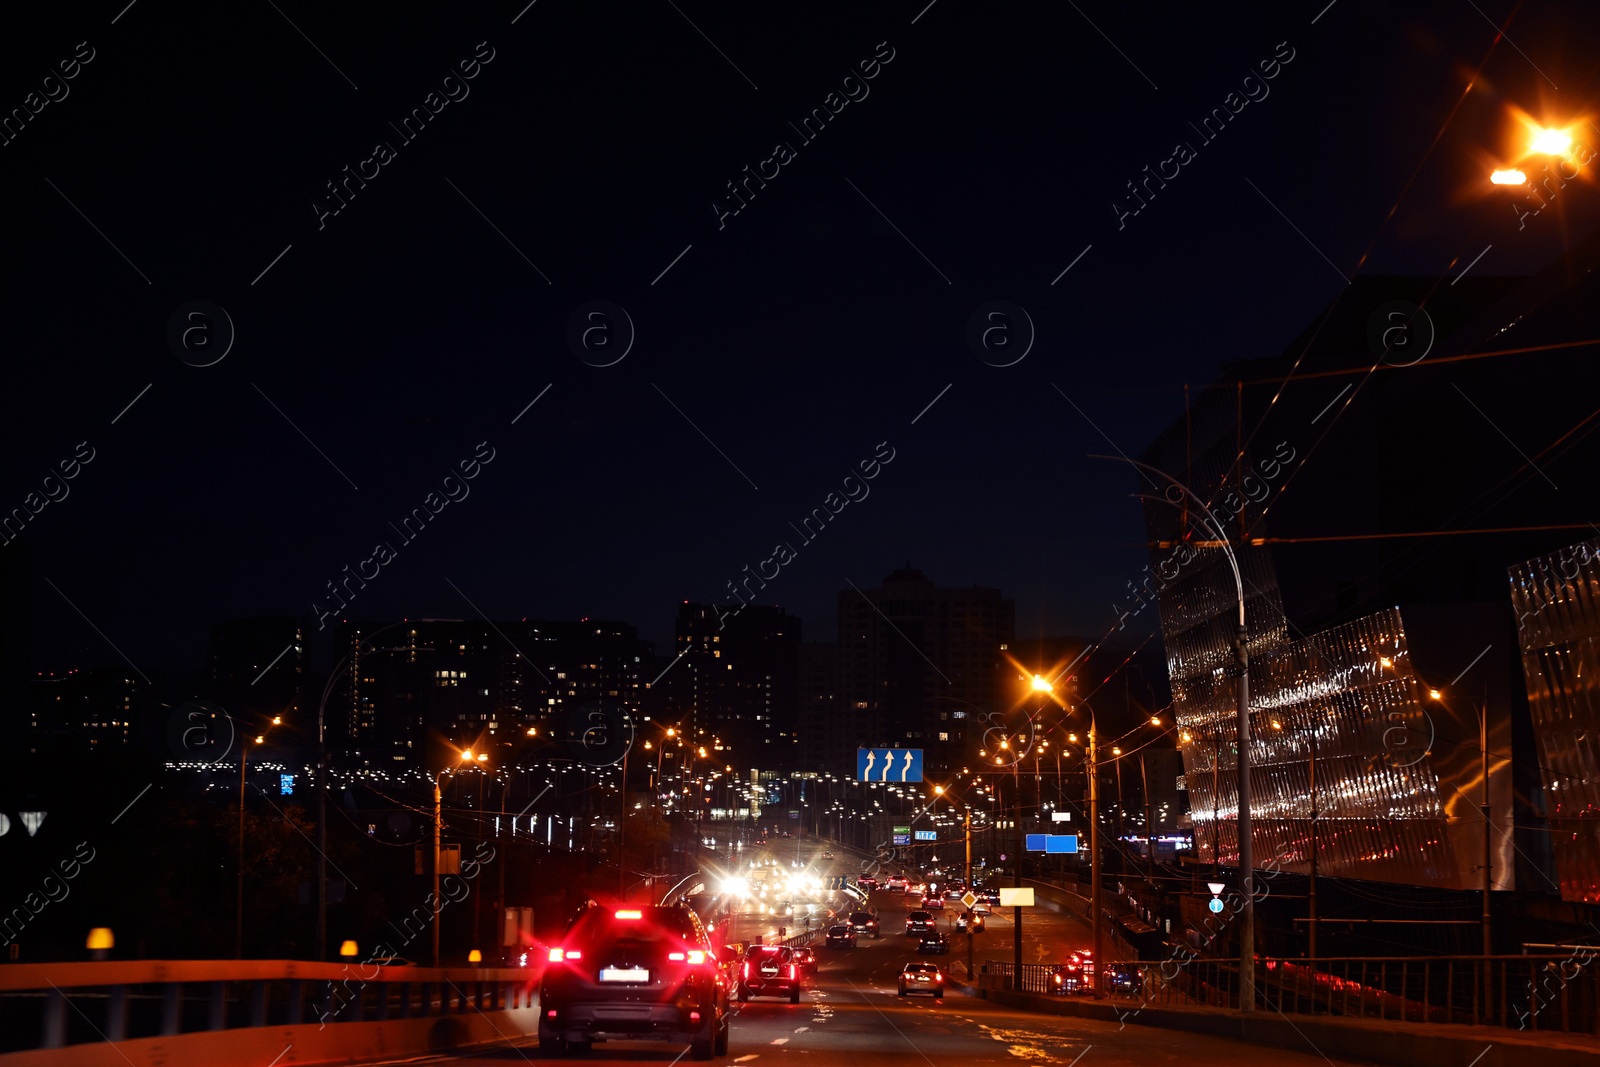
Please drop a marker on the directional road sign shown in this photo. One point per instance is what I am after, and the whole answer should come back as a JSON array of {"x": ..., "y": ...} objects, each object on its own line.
[
  {"x": 888, "y": 764},
  {"x": 1061, "y": 843}
]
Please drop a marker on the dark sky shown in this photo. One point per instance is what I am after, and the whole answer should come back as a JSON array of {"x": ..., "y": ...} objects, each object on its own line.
[{"x": 394, "y": 336}]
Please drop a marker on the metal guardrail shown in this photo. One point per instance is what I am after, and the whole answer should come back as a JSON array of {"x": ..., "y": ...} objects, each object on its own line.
[
  {"x": 1546, "y": 992},
  {"x": 50, "y": 1006}
]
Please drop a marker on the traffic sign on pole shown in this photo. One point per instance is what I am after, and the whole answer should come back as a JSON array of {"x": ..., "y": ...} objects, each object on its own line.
[{"x": 888, "y": 764}]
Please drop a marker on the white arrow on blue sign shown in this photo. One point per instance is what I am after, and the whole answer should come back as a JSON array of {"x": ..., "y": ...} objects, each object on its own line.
[{"x": 888, "y": 764}]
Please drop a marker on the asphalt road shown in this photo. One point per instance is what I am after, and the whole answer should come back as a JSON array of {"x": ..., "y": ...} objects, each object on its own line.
[{"x": 852, "y": 1016}]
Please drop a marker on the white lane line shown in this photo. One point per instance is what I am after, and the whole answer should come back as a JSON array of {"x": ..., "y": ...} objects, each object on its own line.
[
  {"x": 801, "y": 1029},
  {"x": 780, "y": 1041},
  {"x": 752, "y": 1056}
]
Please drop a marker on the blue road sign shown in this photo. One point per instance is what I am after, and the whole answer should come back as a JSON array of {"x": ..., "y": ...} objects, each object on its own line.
[
  {"x": 838, "y": 882},
  {"x": 888, "y": 764},
  {"x": 1035, "y": 842},
  {"x": 1061, "y": 843},
  {"x": 1215, "y": 905},
  {"x": 926, "y": 835}
]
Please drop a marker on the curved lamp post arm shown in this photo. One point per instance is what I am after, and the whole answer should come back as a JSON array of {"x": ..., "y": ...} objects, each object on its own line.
[{"x": 1210, "y": 519}]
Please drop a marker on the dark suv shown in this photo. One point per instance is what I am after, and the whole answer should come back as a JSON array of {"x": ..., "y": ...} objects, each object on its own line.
[
  {"x": 769, "y": 971},
  {"x": 634, "y": 974},
  {"x": 865, "y": 922}
]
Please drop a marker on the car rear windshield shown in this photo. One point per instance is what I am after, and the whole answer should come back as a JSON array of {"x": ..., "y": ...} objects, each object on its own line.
[
  {"x": 862, "y": 916},
  {"x": 840, "y": 931},
  {"x": 924, "y": 967},
  {"x": 919, "y": 915},
  {"x": 602, "y": 925}
]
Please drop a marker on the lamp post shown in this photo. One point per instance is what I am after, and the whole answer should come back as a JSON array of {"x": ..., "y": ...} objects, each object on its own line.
[
  {"x": 238, "y": 924},
  {"x": 1241, "y": 674},
  {"x": 438, "y": 803}
]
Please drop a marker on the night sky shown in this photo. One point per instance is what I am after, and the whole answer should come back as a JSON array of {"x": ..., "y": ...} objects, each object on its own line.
[{"x": 776, "y": 348}]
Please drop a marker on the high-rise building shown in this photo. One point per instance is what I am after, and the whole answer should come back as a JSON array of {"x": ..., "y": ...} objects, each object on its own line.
[
  {"x": 447, "y": 681},
  {"x": 919, "y": 667},
  {"x": 255, "y": 668},
  {"x": 738, "y": 680},
  {"x": 819, "y": 706},
  {"x": 87, "y": 710}
]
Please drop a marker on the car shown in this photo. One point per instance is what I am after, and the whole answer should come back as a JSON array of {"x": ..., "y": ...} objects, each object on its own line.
[
  {"x": 1068, "y": 978},
  {"x": 990, "y": 897},
  {"x": 637, "y": 973},
  {"x": 1122, "y": 978},
  {"x": 919, "y": 922},
  {"x": 898, "y": 883},
  {"x": 933, "y": 902},
  {"x": 969, "y": 922},
  {"x": 841, "y": 936},
  {"x": 865, "y": 922},
  {"x": 769, "y": 971},
  {"x": 807, "y": 959},
  {"x": 867, "y": 882},
  {"x": 827, "y": 855},
  {"x": 934, "y": 943},
  {"x": 921, "y": 978},
  {"x": 952, "y": 894},
  {"x": 982, "y": 907}
]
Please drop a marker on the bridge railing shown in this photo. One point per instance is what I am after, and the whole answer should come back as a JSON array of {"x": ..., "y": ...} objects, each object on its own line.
[
  {"x": 1544, "y": 992},
  {"x": 59, "y": 1005}
]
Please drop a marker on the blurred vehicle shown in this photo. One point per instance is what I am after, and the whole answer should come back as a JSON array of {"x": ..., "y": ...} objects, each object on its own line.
[
  {"x": 933, "y": 901},
  {"x": 934, "y": 944},
  {"x": 807, "y": 959},
  {"x": 921, "y": 978},
  {"x": 969, "y": 922},
  {"x": 952, "y": 894},
  {"x": 990, "y": 897},
  {"x": 1123, "y": 978},
  {"x": 865, "y": 922},
  {"x": 1068, "y": 978},
  {"x": 634, "y": 974},
  {"x": 918, "y": 923},
  {"x": 827, "y": 855},
  {"x": 981, "y": 908},
  {"x": 769, "y": 971},
  {"x": 841, "y": 936},
  {"x": 867, "y": 882},
  {"x": 898, "y": 883}
]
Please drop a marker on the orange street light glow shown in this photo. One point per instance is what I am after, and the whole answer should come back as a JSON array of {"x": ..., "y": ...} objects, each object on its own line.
[
  {"x": 1041, "y": 684},
  {"x": 1508, "y": 177},
  {"x": 1551, "y": 142}
]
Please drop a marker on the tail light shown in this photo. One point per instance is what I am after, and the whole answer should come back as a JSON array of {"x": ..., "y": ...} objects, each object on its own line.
[
  {"x": 696, "y": 956},
  {"x": 791, "y": 970},
  {"x": 556, "y": 955},
  {"x": 694, "y": 1016},
  {"x": 746, "y": 971},
  {"x": 675, "y": 956},
  {"x": 938, "y": 976},
  {"x": 629, "y": 913}
]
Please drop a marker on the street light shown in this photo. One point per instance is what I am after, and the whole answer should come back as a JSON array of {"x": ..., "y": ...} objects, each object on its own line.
[
  {"x": 1241, "y": 672},
  {"x": 466, "y": 757},
  {"x": 238, "y": 925}
]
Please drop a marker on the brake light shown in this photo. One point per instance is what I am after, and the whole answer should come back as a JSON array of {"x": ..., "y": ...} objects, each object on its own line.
[
  {"x": 574, "y": 954},
  {"x": 694, "y": 1016},
  {"x": 696, "y": 956},
  {"x": 746, "y": 971},
  {"x": 791, "y": 970},
  {"x": 938, "y": 976},
  {"x": 551, "y": 1014},
  {"x": 675, "y": 956},
  {"x": 629, "y": 913},
  {"x": 556, "y": 955}
]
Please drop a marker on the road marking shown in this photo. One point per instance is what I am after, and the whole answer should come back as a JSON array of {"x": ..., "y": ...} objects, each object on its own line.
[
  {"x": 780, "y": 1041},
  {"x": 802, "y": 1029},
  {"x": 752, "y": 1056}
]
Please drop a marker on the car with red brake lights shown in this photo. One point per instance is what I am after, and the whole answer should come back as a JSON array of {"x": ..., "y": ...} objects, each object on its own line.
[
  {"x": 897, "y": 883},
  {"x": 841, "y": 936},
  {"x": 867, "y": 882},
  {"x": 637, "y": 973},
  {"x": 919, "y": 923},
  {"x": 921, "y": 978},
  {"x": 769, "y": 971},
  {"x": 933, "y": 901}
]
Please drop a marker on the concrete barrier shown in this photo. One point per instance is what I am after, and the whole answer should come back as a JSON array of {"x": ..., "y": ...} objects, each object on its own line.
[{"x": 157, "y": 1013}]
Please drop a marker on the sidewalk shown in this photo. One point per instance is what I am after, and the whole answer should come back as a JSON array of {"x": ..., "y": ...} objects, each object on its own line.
[{"x": 1401, "y": 1044}]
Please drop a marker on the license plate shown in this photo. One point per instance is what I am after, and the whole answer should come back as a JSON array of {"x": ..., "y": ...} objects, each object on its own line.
[
  {"x": 624, "y": 974},
  {"x": 922, "y": 978}
]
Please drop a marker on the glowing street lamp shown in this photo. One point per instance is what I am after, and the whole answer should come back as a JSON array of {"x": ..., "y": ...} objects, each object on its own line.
[{"x": 1551, "y": 142}]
